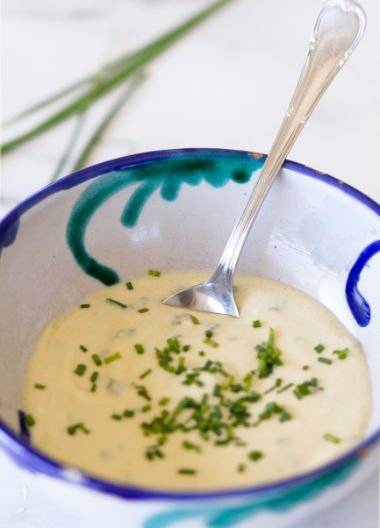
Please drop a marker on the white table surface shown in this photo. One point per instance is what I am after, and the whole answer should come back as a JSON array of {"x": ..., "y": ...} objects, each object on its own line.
[{"x": 225, "y": 85}]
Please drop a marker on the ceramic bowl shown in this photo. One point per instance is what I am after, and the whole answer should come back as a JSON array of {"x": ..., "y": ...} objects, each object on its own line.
[{"x": 173, "y": 210}]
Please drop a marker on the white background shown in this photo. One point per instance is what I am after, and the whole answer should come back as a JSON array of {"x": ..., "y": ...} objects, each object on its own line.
[{"x": 225, "y": 85}]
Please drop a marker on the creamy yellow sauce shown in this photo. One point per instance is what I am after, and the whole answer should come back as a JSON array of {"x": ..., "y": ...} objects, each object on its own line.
[{"x": 215, "y": 442}]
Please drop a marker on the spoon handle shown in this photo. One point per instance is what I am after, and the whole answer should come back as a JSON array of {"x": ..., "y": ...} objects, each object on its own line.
[{"x": 338, "y": 29}]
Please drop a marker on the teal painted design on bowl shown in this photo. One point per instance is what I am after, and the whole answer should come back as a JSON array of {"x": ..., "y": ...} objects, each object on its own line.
[
  {"x": 166, "y": 175},
  {"x": 215, "y": 517}
]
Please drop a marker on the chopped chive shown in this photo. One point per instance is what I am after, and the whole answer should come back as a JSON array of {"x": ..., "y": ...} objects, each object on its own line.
[
  {"x": 145, "y": 374},
  {"x": 342, "y": 354},
  {"x": 255, "y": 455},
  {"x": 143, "y": 310},
  {"x": 201, "y": 353},
  {"x": 143, "y": 392},
  {"x": 241, "y": 468},
  {"x": 194, "y": 320},
  {"x": 247, "y": 382},
  {"x": 117, "y": 303},
  {"x": 210, "y": 342},
  {"x": 189, "y": 445},
  {"x": 325, "y": 360},
  {"x": 139, "y": 348},
  {"x": 306, "y": 388},
  {"x": 319, "y": 348},
  {"x": 72, "y": 429},
  {"x": 154, "y": 273},
  {"x": 164, "y": 401},
  {"x": 39, "y": 386},
  {"x": 277, "y": 384},
  {"x": 94, "y": 376},
  {"x": 80, "y": 369},
  {"x": 84, "y": 305},
  {"x": 129, "y": 285},
  {"x": 305, "y": 367},
  {"x": 129, "y": 413},
  {"x": 94, "y": 386},
  {"x": 257, "y": 324},
  {"x": 187, "y": 471},
  {"x": 116, "y": 417},
  {"x": 269, "y": 356},
  {"x": 112, "y": 357},
  {"x": 286, "y": 387},
  {"x": 96, "y": 359},
  {"x": 146, "y": 408},
  {"x": 186, "y": 348},
  {"x": 29, "y": 420},
  {"x": 153, "y": 452},
  {"x": 209, "y": 333},
  {"x": 331, "y": 438},
  {"x": 83, "y": 348}
]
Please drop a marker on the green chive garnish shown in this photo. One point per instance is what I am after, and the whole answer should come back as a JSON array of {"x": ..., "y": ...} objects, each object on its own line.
[
  {"x": 201, "y": 353},
  {"x": 154, "y": 452},
  {"x": 145, "y": 374},
  {"x": 194, "y": 320},
  {"x": 277, "y": 384},
  {"x": 305, "y": 367},
  {"x": 139, "y": 348},
  {"x": 209, "y": 333},
  {"x": 210, "y": 342},
  {"x": 319, "y": 348},
  {"x": 96, "y": 359},
  {"x": 80, "y": 369},
  {"x": 241, "y": 468},
  {"x": 186, "y": 348},
  {"x": 129, "y": 413},
  {"x": 154, "y": 273},
  {"x": 164, "y": 401},
  {"x": 113, "y": 357},
  {"x": 143, "y": 392},
  {"x": 268, "y": 355},
  {"x": 94, "y": 376},
  {"x": 116, "y": 417},
  {"x": 29, "y": 420},
  {"x": 39, "y": 386},
  {"x": 187, "y": 471},
  {"x": 146, "y": 408},
  {"x": 342, "y": 354},
  {"x": 72, "y": 429},
  {"x": 117, "y": 303},
  {"x": 84, "y": 305},
  {"x": 143, "y": 310},
  {"x": 331, "y": 438},
  {"x": 94, "y": 387},
  {"x": 189, "y": 445},
  {"x": 306, "y": 388},
  {"x": 83, "y": 348},
  {"x": 286, "y": 387},
  {"x": 257, "y": 324},
  {"x": 325, "y": 360},
  {"x": 255, "y": 455},
  {"x": 129, "y": 285}
]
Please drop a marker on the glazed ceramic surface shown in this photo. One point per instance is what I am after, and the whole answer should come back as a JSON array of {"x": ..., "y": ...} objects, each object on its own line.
[{"x": 173, "y": 210}]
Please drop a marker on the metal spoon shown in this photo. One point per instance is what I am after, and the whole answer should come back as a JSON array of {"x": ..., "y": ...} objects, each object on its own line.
[{"x": 338, "y": 29}]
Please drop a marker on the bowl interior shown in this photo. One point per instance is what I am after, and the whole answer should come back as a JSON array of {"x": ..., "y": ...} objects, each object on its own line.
[{"x": 172, "y": 211}]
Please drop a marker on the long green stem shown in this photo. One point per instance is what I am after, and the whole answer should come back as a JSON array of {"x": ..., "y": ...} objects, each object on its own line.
[
  {"x": 105, "y": 122},
  {"x": 85, "y": 81},
  {"x": 132, "y": 64},
  {"x": 69, "y": 147}
]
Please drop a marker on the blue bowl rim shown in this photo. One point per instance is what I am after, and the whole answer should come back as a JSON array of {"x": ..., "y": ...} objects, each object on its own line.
[{"x": 34, "y": 460}]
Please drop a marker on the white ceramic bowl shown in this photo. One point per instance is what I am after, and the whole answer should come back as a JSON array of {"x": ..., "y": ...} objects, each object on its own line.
[{"x": 173, "y": 210}]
